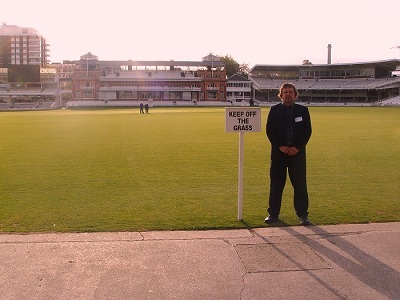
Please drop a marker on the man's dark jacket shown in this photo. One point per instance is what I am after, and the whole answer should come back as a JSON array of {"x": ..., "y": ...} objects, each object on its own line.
[{"x": 276, "y": 126}]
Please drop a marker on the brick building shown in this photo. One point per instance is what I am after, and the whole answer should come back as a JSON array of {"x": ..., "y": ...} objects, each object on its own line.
[{"x": 192, "y": 81}]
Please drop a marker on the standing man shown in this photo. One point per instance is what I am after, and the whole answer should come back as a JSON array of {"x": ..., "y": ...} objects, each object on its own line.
[{"x": 288, "y": 129}]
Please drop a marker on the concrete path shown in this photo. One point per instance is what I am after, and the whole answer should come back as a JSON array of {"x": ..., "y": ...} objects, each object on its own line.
[{"x": 317, "y": 262}]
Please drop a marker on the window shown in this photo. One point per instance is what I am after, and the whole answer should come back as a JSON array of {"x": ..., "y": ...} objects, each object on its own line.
[
  {"x": 87, "y": 95},
  {"x": 212, "y": 95}
]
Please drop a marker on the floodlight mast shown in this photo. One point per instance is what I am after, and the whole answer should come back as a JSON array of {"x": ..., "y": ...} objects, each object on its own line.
[{"x": 329, "y": 54}]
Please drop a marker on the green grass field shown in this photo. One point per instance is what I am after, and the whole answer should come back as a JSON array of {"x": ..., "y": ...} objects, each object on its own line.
[{"x": 176, "y": 169}]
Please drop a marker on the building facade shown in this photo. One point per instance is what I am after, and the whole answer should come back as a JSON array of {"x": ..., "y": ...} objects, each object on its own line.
[
  {"x": 26, "y": 80},
  {"x": 108, "y": 81},
  {"x": 22, "y": 46},
  {"x": 239, "y": 89}
]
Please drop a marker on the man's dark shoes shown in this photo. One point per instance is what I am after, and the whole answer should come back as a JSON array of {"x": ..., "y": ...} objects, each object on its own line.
[
  {"x": 304, "y": 221},
  {"x": 271, "y": 219}
]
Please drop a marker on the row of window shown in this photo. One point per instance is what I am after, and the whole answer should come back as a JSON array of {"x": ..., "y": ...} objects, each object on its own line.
[
  {"x": 336, "y": 73},
  {"x": 237, "y": 84},
  {"x": 148, "y": 84},
  {"x": 366, "y": 72},
  {"x": 137, "y": 84},
  {"x": 124, "y": 95}
]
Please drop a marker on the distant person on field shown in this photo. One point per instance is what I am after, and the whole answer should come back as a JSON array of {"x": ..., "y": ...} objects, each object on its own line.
[
  {"x": 141, "y": 107},
  {"x": 146, "y": 107},
  {"x": 288, "y": 130}
]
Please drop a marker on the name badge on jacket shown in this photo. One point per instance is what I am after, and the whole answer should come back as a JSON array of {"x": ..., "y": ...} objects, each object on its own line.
[{"x": 298, "y": 119}]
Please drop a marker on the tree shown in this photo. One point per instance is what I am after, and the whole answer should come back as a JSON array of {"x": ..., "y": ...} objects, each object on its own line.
[
  {"x": 307, "y": 62},
  {"x": 233, "y": 67},
  {"x": 244, "y": 70}
]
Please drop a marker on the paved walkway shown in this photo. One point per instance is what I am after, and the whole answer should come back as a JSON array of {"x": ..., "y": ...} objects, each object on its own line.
[{"x": 317, "y": 262}]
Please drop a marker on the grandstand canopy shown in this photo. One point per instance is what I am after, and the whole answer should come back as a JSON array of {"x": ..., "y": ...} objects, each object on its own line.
[{"x": 357, "y": 69}]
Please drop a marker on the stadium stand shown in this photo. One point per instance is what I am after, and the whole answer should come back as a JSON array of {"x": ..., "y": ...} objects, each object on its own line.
[
  {"x": 395, "y": 101},
  {"x": 359, "y": 83}
]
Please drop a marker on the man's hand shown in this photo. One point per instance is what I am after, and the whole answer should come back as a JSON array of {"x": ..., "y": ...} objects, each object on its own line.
[
  {"x": 284, "y": 149},
  {"x": 291, "y": 151}
]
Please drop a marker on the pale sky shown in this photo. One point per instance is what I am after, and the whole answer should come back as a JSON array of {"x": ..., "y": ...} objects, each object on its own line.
[{"x": 251, "y": 32}]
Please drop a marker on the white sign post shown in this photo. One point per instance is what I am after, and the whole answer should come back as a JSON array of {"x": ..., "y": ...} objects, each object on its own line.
[{"x": 241, "y": 120}]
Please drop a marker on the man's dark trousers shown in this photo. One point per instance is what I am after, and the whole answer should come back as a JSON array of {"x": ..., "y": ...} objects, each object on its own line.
[{"x": 281, "y": 164}]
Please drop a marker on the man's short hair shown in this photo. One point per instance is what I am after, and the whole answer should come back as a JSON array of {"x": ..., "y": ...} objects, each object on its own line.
[{"x": 285, "y": 86}]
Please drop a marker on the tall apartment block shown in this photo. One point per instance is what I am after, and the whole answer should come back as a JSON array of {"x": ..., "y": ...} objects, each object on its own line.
[
  {"x": 26, "y": 79},
  {"x": 22, "y": 46}
]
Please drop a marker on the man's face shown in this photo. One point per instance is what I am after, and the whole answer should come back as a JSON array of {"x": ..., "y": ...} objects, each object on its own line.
[{"x": 288, "y": 96}]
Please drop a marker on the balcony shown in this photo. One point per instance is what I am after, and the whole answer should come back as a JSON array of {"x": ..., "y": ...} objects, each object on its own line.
[{"x": 213, "y": 88}]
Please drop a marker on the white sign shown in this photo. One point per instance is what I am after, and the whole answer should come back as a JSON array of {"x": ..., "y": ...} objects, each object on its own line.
[{"x": 243, "y": 119}]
